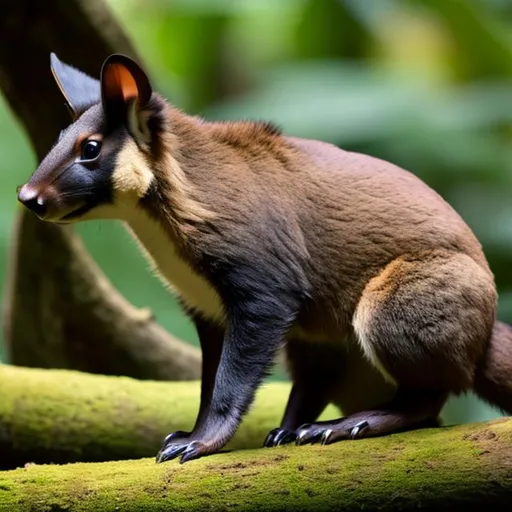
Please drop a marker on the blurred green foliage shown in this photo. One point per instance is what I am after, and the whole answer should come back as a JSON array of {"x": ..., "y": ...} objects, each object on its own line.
[{"x": 426, "y": 84}]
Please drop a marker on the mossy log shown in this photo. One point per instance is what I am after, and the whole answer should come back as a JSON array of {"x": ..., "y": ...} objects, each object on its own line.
[
  {"x": 59, "y": 310},
  {"x": 442, "y": 469},
  {"x": 68, "y": 416},
  {"x": 63, "y": 416}
]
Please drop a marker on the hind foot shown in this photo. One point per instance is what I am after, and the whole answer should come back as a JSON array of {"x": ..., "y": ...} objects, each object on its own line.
[{"x": 407, "y": 411}]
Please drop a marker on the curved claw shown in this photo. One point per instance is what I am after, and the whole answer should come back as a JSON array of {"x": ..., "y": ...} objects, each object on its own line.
[
  {"x": 325, "y": 436},
  {"x": 193, "y": 451},
  {"x": 358, "y": 429},
  {"x": 170, "y": 452},
  {"x": 279, "y": 436},
  {"x": 308, "y": 434}
]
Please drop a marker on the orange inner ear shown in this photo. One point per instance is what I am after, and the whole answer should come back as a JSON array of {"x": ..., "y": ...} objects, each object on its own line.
[{"x": 119, "y": 83}]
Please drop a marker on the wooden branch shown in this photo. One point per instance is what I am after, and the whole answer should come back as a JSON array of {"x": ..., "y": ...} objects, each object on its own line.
[
  {"x": 59, "y": 309},
  {"x": 440, "y": 469}
]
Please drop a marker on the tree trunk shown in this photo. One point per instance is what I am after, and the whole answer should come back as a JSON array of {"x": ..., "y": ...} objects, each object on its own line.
[
  {"x": 59, "y": 309},
  {"x": 442, "y": 469}
]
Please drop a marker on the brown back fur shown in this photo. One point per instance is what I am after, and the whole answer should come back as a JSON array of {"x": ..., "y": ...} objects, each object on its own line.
[{"x": 347, "y": 215}]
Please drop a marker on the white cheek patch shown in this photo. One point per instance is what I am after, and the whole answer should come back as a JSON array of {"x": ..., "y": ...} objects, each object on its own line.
[{"x": 132, "y": 176}]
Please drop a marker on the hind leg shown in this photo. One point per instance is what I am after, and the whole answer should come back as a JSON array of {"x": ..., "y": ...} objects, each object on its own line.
[
  {"x": 314, "y": 369},
  {"x": 424, "y": 323}
]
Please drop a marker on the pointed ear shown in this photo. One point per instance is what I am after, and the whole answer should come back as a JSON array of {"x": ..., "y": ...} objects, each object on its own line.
[
  {"x": 125, "y": 91},
  {"x": 80, "y": 90}
]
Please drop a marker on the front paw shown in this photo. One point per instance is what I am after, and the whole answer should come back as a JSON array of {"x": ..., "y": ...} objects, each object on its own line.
[
  {"x": 279, "y": 436},
  {"x": 188, "y": 449}
]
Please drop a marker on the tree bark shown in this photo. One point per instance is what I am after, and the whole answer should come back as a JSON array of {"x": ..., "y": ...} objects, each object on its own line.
[
  {"x": 441, "y": 469},
  {"x": 59, "y": 309}
]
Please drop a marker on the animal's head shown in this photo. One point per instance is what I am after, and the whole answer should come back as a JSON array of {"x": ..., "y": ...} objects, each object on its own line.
[{"x": 100, "y": 162}]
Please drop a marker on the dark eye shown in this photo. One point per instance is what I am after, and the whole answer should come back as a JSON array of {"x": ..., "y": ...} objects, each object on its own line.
[{"x": 90, "y": 149}]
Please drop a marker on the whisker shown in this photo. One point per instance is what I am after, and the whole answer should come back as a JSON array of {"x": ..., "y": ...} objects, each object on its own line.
[{"x": 79, "y": 193}]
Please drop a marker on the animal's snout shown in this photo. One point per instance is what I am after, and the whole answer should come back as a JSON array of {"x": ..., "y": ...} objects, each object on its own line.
[{"x": 32, "y": 199}]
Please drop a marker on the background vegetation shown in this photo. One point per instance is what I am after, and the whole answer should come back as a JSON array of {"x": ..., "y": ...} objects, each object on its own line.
[{"x": 426, "y": 84}]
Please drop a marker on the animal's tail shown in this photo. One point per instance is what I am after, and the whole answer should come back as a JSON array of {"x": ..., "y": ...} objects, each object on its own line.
[{"x": 493, "y": 378}]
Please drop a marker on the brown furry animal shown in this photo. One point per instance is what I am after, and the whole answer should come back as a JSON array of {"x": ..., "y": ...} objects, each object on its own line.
[{"x": 378, "y": 289}]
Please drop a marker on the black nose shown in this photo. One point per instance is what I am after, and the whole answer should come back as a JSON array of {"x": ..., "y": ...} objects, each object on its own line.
[{"x": 32, "y": 200}]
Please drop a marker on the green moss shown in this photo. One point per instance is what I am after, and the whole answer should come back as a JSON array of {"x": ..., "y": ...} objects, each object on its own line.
[
  {"x": 75, "y": 415},
  {"x": 427, "y": 467},
  {"x": 68, "y": 416}
]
